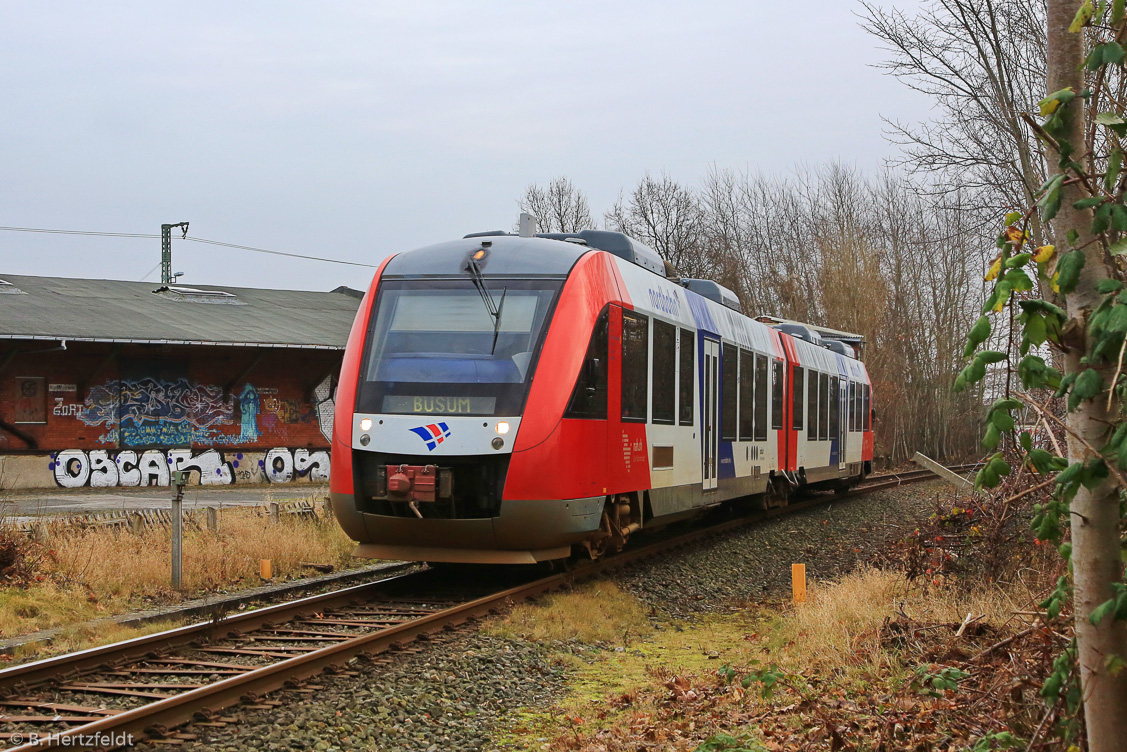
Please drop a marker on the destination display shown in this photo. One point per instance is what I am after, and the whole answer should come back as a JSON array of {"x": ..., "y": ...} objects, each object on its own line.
[{"x": 402, "y": 403}]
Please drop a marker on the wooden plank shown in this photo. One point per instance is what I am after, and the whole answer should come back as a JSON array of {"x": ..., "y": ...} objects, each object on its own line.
[{"x": 953, "y": 479}]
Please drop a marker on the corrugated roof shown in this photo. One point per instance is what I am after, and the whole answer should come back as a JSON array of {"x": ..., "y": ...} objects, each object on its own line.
[{"x": 102, "y": 310}]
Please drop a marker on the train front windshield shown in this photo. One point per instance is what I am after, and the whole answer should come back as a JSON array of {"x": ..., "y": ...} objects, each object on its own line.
[{"x": 449, "y": 348}]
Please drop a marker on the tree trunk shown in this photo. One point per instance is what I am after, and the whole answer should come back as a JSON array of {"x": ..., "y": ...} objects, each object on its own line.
[{"x": 1096, "y": 562}]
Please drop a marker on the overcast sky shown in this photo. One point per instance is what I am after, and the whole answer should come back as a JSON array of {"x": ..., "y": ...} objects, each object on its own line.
[{"x": 353, "y": 130}]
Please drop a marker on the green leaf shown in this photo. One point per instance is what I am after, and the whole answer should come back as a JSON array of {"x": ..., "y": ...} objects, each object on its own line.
[
  {"x": 1121, "y": 456},
  {"x": 1088, "y": 384},
  {"x": 1069, "y": 268},
  {"x": 1118, "y": 248},
  {"x": 1041, "y": 460},
  {"x": 1102, "y": 219},
  {"x": 1025, "y": 440},
  {"x": 980, "y": 332},
  {"x": 1117, "y": 13},
  {"x": 990, "y": 356},
  {"x": 1049, "y": 202},
  {"x": 1020, "y": 259},
  {"x": 1114, "y": 165},
  {"x": 991, "y": 438},
  {"x": 1012, "y": 217},
  {"x": 1035, "y": 333},
  {"x": 1002, "y": 420},
  {"x": 1107, "y": 284},
  {"x": 1018, "y": 280},
  {"x": 1088, "y": 203},
  {"x": 1104, "y": 54},
  {"x": 1043, "y": 306}
]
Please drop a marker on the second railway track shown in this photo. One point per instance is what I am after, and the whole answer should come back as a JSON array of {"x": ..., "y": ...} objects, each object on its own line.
[{"x": 150, "y": 686}]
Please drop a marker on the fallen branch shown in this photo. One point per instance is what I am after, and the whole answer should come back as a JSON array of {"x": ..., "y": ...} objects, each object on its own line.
[{"x": 1002, "y": 644}]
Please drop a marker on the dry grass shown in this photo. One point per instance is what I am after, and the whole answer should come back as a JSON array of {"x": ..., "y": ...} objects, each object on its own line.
[
  {"x": 593, "y": 613},
  {"x": 97, "y": 572},
  {"x": 840, "y": 623},
  {"x": 81, "y": 636},
  {"x": 667, "y": 690}
]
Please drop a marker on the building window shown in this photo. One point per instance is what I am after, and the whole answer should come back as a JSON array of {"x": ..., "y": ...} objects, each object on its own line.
[
  {"x": 30, "y": 405},
  {"x": 686, "y": 374},
  {"x": 664, "y": 372},
  {"x": 635, "y": 366},
  {"x": 812, "y": 400},
  {"x": 589, "y": 400},
  {"x": 776, "y": 395},
  {"x": 797, "y": 389},
  {"x": 729, "y": 389},
  {"x": 760, "y": 397},
  {"x": 747, "y": 396}
]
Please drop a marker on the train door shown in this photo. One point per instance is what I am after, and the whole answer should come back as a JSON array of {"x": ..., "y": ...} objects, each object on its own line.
[
  {"x": 842, "y": 420},
  {"x": 709, "y": 424}
]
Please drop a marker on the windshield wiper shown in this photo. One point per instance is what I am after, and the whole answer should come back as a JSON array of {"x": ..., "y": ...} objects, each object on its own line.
[{"x": 494, "y": 309}]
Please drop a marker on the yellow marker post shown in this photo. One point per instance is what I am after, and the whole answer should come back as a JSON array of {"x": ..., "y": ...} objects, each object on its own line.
[
  {"x": 798, "y": 582},
  {"x": 265, "y": 570}
]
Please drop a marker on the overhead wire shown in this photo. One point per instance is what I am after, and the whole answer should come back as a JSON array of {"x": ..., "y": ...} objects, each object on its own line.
[{"x": 191, "y": 238}]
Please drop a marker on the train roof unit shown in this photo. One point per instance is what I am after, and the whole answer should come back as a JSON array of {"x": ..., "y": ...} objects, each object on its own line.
[{"x": 714, "y": 291}]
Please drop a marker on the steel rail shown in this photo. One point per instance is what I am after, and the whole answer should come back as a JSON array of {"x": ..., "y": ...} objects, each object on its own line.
[{"x": 158, "y": 717}]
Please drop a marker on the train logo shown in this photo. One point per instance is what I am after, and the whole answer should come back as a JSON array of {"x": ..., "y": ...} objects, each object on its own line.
[{"x": 433, "y": 434}]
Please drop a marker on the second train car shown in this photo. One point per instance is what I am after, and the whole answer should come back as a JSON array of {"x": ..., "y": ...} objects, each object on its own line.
[{"x": 518, "y": 399}]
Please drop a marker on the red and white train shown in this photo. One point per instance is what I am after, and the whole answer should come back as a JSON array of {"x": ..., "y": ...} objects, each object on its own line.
[{"x": 516, "y": 399}]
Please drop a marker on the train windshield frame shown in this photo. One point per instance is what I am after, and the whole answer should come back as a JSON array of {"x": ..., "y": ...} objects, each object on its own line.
[{"x": 436, "y": 347}]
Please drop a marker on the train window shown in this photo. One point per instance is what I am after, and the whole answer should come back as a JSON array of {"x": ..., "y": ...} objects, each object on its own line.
[
  {"x": 747, "y": 395},
  {"x": 824, "y": 407},
  {"x": 812, "y": 401},
  {"x": 865, "y": 408},
  {"x": 729, "y": 388},
  {"x": 851, "y": 413},
  {"x": 686, "y": 375},
  {"x": 760, "y": 397},
  {"x": 858, "y": 422},
  {"x": 635, "y": 365},
  {"x": 589, "y": 400},
  {"x": 835, "y": 406},
  {"x": 797, "y": 388},
  {"x": 776, "y": 395},
  {"x": 664, "y": 371}
]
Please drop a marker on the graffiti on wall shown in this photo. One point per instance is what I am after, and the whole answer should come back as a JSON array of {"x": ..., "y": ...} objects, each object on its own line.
[
  {"x": 149, "y": 411},
  {"x": 98, "y": 468}
]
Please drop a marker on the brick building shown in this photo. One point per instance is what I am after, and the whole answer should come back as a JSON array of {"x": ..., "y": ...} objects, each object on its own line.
[{"x": 108, "y": 383}]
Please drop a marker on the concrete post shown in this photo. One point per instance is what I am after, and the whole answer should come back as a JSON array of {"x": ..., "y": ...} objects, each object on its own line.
[
  {"x": 274, "y": 511},
  {"x": 177, "y": 529},
  {"x": 136, "y": 523},
  {"x": 212, "y": 520}
]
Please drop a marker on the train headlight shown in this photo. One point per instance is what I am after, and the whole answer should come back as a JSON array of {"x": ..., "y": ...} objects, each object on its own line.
[
  {"x": 498, "y": 442},
  {"x": 364, "y": 439},
  {"x": 503, "y": 427},
  {"x": 366, "y": 424}
]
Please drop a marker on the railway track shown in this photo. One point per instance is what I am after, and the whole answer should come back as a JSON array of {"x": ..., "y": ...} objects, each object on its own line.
[{"x": 150, "y": 686}]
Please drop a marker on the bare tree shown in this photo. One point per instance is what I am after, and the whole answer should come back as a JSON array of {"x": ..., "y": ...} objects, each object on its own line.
[
  {"x": 561, "y": 207},
  {"x": 666, "y": 216},
  {"x": 982, "y": 62}
]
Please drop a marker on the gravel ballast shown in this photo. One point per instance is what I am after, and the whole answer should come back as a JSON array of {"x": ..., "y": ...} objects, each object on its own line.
[
  {"x": 450, "y": 696},
  {"x": 458, "y": 691},
  {"x": 754, "y": 563}
]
